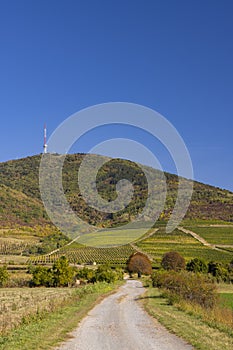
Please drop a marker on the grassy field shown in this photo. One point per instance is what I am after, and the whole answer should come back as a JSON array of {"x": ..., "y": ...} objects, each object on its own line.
[
  {"x": 215, "y": 235},
  {"x": 227, "y": 300},
  {"x": 226, "y": 295},
  {"x": 46, "y": 329},
  {"x": 106, "y": 238},
  {"x": 202, "y": 335}
]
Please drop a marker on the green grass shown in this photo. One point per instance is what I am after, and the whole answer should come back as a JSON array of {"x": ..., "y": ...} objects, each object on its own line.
[
  {"x": 106, "y": 238},
  {"x": 226, "y": 295},
  {"x": 215, "y": 235},
  {"x": 226, "y": 300},
  {"x": 191, "y": 328},
  {"x": 48, "y": 330}
]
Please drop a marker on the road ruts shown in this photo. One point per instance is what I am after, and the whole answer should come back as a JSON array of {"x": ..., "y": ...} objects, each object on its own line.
[{"x": 120, "y": 323}]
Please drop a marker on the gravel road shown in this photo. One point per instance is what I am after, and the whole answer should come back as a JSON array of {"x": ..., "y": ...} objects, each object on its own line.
[{"x": 120, "y": 323}]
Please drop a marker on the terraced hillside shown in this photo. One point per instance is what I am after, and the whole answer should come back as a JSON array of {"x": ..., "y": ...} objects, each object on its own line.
[{"x": 185, "y": 244}]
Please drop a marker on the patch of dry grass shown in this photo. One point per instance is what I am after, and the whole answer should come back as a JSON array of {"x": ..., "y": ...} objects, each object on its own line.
[
  {"x": 18, "y": 304},
  {"x": 202, "y": 332}
]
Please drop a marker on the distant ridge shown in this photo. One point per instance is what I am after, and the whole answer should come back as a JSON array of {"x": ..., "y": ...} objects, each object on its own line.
[{"x": 20, "y": 202}]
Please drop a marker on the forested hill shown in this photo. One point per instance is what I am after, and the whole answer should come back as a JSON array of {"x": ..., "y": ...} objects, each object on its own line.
[{"x": 20, "y": 201}]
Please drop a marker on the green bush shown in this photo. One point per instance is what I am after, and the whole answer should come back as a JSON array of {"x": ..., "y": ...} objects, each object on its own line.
[
  {"x": 4, "y": 276},
  {"x": 222, "y": 273},
  {"x": 85, "y": 274},
  {"x": 102, "y": 274},
  {"x": 42, "y": 276},
  {"x": 47, "y": 244},
  {"x": 197, "y": 265},
  {"x": 193, "y": 287},
  {"x": 60, "y": 275}
]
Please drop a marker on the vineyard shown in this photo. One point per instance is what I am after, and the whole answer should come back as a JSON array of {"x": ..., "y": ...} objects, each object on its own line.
[
  {"x": 155, "y": 246},
  {"x": 88, "y": 255},
  {"x": 162, "y": 242},
  {"x": 217, "y": 235},
  {"x": 8, "y": 248}
]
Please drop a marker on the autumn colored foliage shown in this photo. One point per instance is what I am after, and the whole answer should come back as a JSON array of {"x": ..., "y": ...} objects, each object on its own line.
[
  {"x": 139, "y": 263},
  {"x": 173, "y": 261}
]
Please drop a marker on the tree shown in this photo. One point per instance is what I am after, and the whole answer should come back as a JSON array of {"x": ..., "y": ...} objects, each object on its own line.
[
  {"x": 59, "y": 275},
  {"x": 139, "y": 263},
  {"x": 219, "y": 271},
  {"x": 4, "y": 276},
  {"x": 197, "y": 265},
  {"x": 42, "y": 276},
  {"x": 104, "y": 273},
  {"x": 173, "y": 261},
  {"x": 62, "y": 272}
]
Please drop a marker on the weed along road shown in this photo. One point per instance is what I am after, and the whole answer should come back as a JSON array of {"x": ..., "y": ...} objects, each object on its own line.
[{"x": 120, "y": 323}]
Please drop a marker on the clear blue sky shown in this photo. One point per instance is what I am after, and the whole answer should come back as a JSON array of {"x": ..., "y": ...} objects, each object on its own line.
[{"x": 176, "y": 57}]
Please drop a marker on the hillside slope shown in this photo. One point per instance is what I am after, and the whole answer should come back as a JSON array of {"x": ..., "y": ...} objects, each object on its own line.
[
  {"x": 20, "y": 197},
  {"x": 18, "y": 209}
]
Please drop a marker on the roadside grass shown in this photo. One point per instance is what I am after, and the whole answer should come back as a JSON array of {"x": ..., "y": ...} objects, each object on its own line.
[
  {"x": 226, "y": 295},
  {"x": 46, "y": 330},
  {"x": 200, "y": 333},
  {"x": 225, "y": 288},
  {"x": 226, "y": 300}
]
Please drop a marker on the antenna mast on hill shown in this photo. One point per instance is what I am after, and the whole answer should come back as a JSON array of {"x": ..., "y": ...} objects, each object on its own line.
[{"x": 45, "y": 136}]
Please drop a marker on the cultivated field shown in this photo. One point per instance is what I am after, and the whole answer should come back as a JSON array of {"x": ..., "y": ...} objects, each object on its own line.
[
  {"x": 19, "y": 304},
  {"x": 86, "y": 255},
  {"x": 106, "y": 238},
  {"x": 218, "y": 235},
  {"x": 154, "y": 244},
  {"x": 162, "y": 242}
]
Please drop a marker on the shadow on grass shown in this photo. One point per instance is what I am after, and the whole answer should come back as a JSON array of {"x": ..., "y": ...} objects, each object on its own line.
[{"x": 149, "y": 297}]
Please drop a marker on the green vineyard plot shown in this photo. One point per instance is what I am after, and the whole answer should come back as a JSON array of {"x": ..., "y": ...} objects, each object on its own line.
[
  {"x": 88, "y": 255},
  {"x": 214, "y": 234},
  {"x": 162, "y": 242},
  {"x": 109, "y": 238},
  {"x": 155, "y": 246}
]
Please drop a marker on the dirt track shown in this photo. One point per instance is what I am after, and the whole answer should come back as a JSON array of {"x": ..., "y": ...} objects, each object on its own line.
[{"x": 120, "y": 323}]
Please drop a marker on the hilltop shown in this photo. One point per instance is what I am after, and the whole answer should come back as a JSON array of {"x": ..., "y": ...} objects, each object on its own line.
[{"x": 20, "y": 202}]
